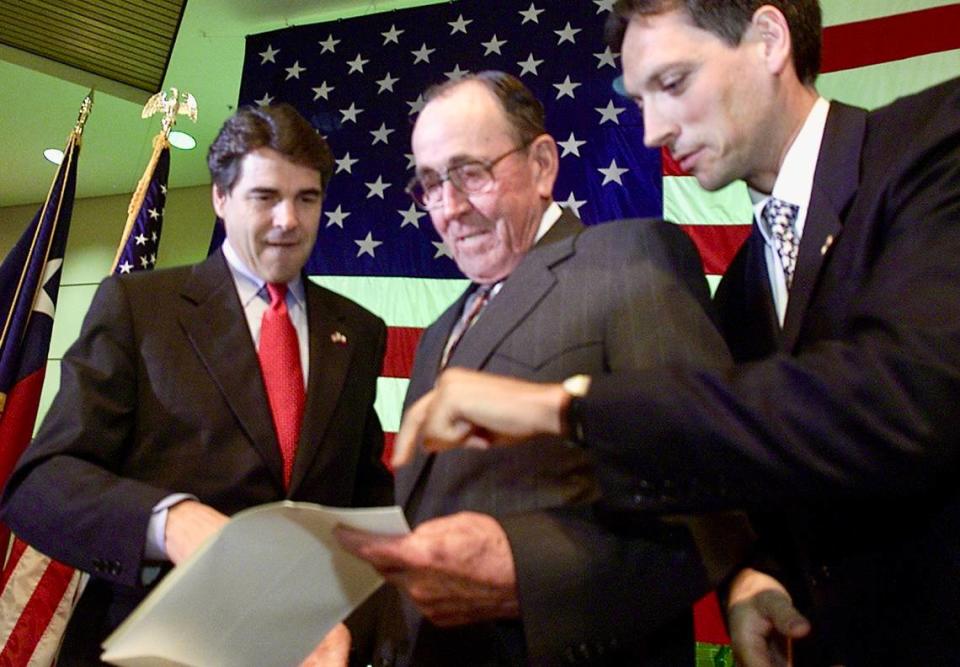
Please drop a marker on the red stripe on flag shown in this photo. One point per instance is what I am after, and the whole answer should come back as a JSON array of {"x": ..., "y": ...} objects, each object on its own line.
[
  {"x": 16, "y": 423},
  {"x": 717, "y": 244},
  {"x": 401, "y": 346},
  {"x": 891, "y": 38},
  {"x": 708, "y": 623},
  {"x": 36, "y": 614},
  {"x": 16, "y": 428},
  {"x": 668, "y": 165}
]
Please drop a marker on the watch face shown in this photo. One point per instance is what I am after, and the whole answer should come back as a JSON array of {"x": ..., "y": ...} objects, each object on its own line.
[{"x": 577, "y": 385}]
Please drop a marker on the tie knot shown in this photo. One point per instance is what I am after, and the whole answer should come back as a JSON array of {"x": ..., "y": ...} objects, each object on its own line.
[
  {"x": 277, "y": 292},
  {"x": 779, "y": 214}
]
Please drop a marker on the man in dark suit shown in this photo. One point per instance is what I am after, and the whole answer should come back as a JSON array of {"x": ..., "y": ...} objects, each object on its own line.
[
  {"x": 839, "y": 425},
  {"x": 485, "y": 562},
  {"x": 164, "y": 422}
]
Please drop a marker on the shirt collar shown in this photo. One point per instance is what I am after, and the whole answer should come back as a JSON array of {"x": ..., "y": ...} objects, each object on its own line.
[
  {"x": 549, "y": 219},
  {"x": 251, "y": 286},
  {"x": 794, "y": 182}
]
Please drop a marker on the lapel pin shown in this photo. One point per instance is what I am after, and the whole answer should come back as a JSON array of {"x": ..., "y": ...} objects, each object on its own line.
[
  {"x": 338, "y": 338},
  {"x": 826, "y": 244}
]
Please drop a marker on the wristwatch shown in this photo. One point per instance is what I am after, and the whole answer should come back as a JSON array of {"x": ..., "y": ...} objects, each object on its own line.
[{"x": 576, "y": 387}]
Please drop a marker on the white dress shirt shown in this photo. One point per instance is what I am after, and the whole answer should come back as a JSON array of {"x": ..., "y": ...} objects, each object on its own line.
[
  {"x": 253, "y": 295},
  {"x": 794, "y": 184}
]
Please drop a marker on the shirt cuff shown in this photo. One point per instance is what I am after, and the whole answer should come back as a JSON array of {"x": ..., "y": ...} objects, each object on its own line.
[{"x": 156, "y": 546}]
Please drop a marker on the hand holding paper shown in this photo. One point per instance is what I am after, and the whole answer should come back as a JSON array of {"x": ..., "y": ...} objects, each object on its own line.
[
  {"x": 264, "y": 591},
  {"x": 457, "y": 569}
]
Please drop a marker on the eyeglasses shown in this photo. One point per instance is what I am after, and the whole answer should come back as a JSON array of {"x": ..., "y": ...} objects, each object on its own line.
[{"x": 470, "y": 178}]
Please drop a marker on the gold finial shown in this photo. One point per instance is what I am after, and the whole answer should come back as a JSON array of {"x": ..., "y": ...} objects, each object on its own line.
[
  {"x": 84, "y": 113},
  {"x": 175, "y": 103}
]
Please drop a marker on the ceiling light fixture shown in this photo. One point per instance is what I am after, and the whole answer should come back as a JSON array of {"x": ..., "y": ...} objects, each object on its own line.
[
  {"x": 54, "y": 155},
  {"x": 182, "y": 140}
]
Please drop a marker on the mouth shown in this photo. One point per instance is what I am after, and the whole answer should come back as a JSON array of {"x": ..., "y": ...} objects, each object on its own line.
[
  {"x": 466, "y": 238},
  {"x": 689, "y": 160},
  {"x": 282, "y": 243}
]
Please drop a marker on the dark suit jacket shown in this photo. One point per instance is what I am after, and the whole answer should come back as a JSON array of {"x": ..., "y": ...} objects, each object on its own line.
[
  {"x": 621, "y": 295},
  {"x": 162, "y": 393},
  {"x": 843, "y": 428}
]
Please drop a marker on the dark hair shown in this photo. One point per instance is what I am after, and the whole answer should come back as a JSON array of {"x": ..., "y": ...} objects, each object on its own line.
[
  {"x": 524, "y": 112},
  {"x": 729, "y": 19},
  {"x": 279, "y": 127}
]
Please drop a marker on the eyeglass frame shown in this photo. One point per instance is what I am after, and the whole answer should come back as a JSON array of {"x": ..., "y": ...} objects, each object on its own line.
[{"x": 487, "y": 165}]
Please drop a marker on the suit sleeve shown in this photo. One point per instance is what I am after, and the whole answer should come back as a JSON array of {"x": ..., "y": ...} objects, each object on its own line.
[
  {"x": 865, "y": 412},
  {"x": 67, "y": 496},
  {"x": 589, "y": 584}
]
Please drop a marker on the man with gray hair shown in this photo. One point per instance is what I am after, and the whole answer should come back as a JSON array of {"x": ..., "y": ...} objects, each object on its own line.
[{"x": 509, "y": 563}]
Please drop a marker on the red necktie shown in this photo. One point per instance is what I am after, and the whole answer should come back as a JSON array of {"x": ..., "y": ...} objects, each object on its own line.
[{"x": 282, "y": 374}]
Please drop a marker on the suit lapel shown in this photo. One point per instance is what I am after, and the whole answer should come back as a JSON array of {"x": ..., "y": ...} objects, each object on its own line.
[
  {"x": 835, "y": 181},
  {"x": 217, "y": 329},
  {"x": 520, "y": 294},
  {"x": 331, "y": 350},
  {"x": 426, "y": 367}
]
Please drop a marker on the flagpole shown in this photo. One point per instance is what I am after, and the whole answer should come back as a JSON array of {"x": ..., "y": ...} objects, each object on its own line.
[
  {"x": 172, "y": 105},
  {"x": 73, "y": 143}
]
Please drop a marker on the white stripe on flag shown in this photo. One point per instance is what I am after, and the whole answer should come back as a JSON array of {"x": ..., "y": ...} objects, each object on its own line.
[
  {"x": 21, "y": 586},
  {"x": 876, "y": 85},
  {"x": 686, "y": 203},
  {"x": 836, "y": 12},
  {"x": 389, "y": 405},
  {"x": 401, "y": 302}
]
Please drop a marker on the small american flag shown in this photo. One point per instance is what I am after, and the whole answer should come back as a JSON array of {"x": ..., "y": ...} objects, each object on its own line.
[{"x": 140, "y": 240}]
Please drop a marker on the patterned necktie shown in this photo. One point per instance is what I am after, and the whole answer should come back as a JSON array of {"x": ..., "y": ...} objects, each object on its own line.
[
  {"x": 781, "y": 219},
  {"x": 282, "y": 375},
  {"x": 480, "y": 297}
]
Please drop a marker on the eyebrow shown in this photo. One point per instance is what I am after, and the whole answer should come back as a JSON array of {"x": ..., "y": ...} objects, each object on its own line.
[
  {"x": 455, "y": 161},
  {"x": 262, "y": 191}
]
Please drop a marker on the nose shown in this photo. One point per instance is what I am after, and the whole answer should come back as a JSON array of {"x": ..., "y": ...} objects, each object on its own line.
[
  {"x": 285, "y": 214},
  {"x": 454, "y": 202},
  {"x": 658, "y": 130}
]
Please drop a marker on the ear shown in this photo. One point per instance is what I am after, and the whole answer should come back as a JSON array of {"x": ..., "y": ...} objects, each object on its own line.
[
  {"x": 546, "y": 160},
  {"x": 770, "y": 28},
  {"x": 219, "y": 199}
]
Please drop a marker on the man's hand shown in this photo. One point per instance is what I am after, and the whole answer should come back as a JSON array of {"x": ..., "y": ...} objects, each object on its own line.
[
  {"x": 471, "y": 409},
  {"x": 189, "y": 524},
  {"x": 333, "y": 651},
  {"x": 457, "y": 569},
  {"x": 763, "y": 621}
]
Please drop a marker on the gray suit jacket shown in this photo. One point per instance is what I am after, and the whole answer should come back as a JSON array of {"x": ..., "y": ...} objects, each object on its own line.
[{"x": 620, "y": 295}]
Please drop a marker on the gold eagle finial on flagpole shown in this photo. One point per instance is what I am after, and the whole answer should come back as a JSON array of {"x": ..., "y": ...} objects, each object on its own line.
[
  {"x": 175, "y": 103},
  {"x": 85, "y": 108}
]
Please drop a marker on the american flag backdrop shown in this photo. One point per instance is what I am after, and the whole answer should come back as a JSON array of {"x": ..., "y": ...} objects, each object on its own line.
[{"x": 359, "y": 81}]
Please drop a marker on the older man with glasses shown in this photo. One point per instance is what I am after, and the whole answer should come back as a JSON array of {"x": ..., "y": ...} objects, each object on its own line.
[{"x": 509, "y": 563}]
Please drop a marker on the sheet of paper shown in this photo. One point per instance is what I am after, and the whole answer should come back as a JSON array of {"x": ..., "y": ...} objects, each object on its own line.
[{"x": 263, "y": 591}]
